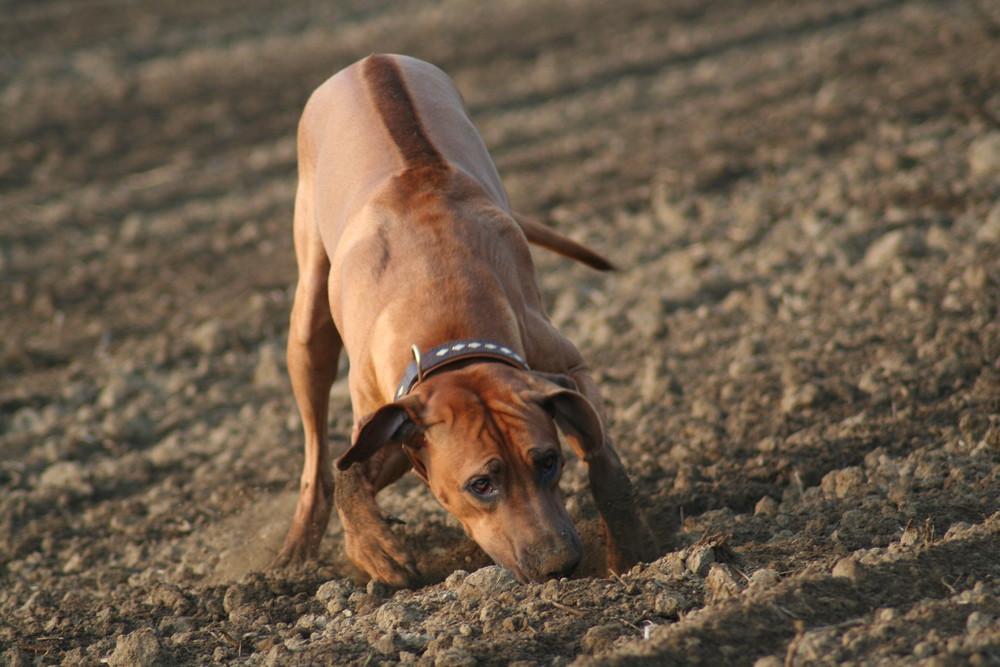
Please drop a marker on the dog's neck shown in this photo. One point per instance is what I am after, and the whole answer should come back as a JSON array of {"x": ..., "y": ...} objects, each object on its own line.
[{"x": 427, "y": 362}]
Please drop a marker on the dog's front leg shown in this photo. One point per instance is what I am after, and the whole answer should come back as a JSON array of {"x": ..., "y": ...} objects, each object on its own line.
[
  {"x": 368, "y": 539},
  {"x": 626, "y": 533},
  {"x": 313, "y": 351}
]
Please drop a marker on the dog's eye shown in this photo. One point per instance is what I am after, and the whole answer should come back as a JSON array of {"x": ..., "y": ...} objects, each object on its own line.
[
  {"x": 548, "y": 464},
  {"x": 481, "y": 486}
]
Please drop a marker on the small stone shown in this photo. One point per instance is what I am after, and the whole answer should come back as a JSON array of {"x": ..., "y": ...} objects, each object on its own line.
[
  {"x": 904, "y": 290},
  {"x": 116, "y": 391},
  {"x": 454, "y": 580},
  {"x": 848, "y": 568},
  {"x": 845, "y": 483},
  {"x": 172, "y": 625},
  {"x": 910, "y": 536},
  {"x": 378, "y": 588},
  {"x": 269, "y": 372},
  {"x": 886, "y": 615},
  {"x": 764, "y": 578},
  {"x": 278, "y": 655},
  {"x": 388, "y": 643},
  {"x": 984, "y": 155},
  {"x": 978, "y": 620},
  {"x": 990, "y": 229},
  {"x": 766, "y": 506},
  {"x": 138, "y": 649},
  {"x": 700, "y": 558},
  {"x": 647, "y": 318},
  {"x": 310, "y": 622},
  {"x": 601, "y": 637},
  {"x": 670, "y": 604},
  {"x": 74, "y": 658},
  {"x": 672, "y": 563},
  {"x": 295, "y": 644},
  {"x": 798, "y": 397},
  {"x": 334, "y": 592},
  {"x": 28, "y": 420},
  {"x": 956, "y": 530},
  {"x": 976, "y": 277},
  {"x": 514, "y": 623},
  {"x": 702, "y": 409},
  {"x": 208, "y": 337},
  {"x": 871, "y": 382},
  {"x": 769, "y": 661},
  {"x": 165, "y": 595},
  {"x": 454, "y": 657},
  {"x": 75, "y": 563},
  {"x": 236, "y": 596},
  {"x": 487, "y": 582},
  {"x": 15, "y": 657},
  {"x": 812, "y": 647},
  {"x": 652, "y": 385},
  {"x": 744, "y": 366},
  {"x": 66, "y": 476},
  {"x": 768, "y": 444},
  {"x": 720, "y": 584},
  {"x": 893, "y": 245},
  {"x": 398, "y": 615},
  {"x": 362, "y": 603},
  {"x": 492, "y": 612}
]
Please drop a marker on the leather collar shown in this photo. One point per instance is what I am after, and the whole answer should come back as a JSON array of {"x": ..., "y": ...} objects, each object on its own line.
[{"x": 442, "y": 355}]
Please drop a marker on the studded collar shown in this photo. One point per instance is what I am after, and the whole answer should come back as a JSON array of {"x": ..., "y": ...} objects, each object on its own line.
[{"x": 442, "y": 355}]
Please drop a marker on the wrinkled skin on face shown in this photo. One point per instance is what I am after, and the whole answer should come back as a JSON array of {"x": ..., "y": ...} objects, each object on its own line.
[
  {"x": 496, "y": 466},
  {"x": 484, "y": 439}
]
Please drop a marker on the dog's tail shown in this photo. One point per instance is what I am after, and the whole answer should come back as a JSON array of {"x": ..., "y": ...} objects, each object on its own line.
[{"x": 550, "y": 239}]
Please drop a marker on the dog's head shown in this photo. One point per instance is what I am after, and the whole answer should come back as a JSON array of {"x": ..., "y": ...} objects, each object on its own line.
[{"x": 484, "y": 439}]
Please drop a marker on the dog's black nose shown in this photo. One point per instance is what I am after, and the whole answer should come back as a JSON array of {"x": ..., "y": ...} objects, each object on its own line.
[
  {"x": 563, "y": 570},
  {"x": 557, "y": 561}
]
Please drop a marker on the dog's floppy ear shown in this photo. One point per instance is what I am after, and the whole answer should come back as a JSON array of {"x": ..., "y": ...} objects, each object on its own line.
[
  {"x": 572, "y": 412},
  {"x": 394, "y": 422},
  {"x": 560, "y": 379}
]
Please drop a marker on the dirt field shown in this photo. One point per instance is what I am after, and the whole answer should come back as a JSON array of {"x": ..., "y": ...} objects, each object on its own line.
[{"x": 801, "y": 355}]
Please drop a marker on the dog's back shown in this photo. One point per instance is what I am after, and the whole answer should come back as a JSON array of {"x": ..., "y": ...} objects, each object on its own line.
[{"x": 382, "y": 116}]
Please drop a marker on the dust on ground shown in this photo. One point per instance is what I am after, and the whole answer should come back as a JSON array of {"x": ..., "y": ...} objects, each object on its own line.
[{"x": 800, "y": 355}]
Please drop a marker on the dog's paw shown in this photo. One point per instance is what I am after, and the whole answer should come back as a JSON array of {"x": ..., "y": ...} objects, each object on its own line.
[
  {"x": 297, "y": 549},
  {"x": 382, "y": 554},
  {"x": 629, "y": 541}
]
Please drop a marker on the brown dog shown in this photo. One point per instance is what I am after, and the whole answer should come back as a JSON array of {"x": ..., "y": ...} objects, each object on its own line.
[{"x": 410, "y": 258}]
